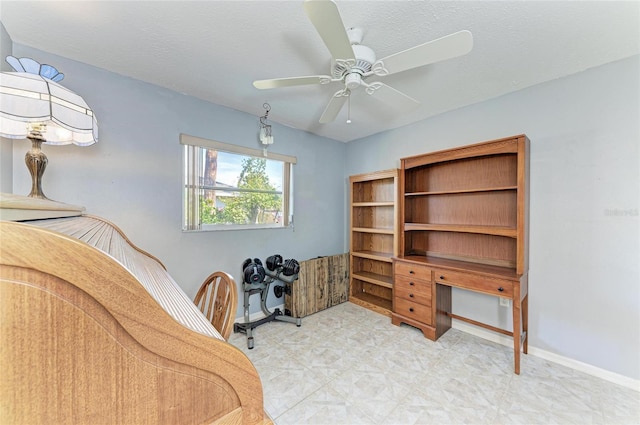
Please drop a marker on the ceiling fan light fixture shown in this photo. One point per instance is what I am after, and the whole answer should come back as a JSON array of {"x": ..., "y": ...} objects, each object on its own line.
[{"x": 353, "y": 80}]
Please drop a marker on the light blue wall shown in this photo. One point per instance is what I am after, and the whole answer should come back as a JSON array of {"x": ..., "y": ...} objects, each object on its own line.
[
  {"x": 585, "y": 187},
  {"x": 133, "y": 176},
  {"x": 584, "y": 252}
]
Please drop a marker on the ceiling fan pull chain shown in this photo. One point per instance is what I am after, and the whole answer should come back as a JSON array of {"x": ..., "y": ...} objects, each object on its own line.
[{"x": 349, "y": 110}]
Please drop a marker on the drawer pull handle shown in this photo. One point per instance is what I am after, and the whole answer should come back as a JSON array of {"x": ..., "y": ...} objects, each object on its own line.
[
  {"x": 411, "y": 283},
  {"x": 501, "y": 289},
  {"x": 442, "y": 277},
  {"x": 410, "y": 295},
  {"x": 411, "y": 272},
  {"x": 411, "y": 309}
]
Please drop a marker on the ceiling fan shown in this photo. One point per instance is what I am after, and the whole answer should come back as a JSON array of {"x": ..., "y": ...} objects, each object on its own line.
[{"x": 353, "y": 63}]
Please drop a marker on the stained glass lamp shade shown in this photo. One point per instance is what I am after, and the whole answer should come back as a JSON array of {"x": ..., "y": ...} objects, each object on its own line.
[{"x": 34, "y": 106}]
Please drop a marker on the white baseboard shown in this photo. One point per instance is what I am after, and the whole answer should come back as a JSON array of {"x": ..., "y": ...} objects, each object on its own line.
[{"x": 616, "y": 378}]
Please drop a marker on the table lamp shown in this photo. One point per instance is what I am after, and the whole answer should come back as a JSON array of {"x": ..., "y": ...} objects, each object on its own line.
[{"x": 34, "y": 106}]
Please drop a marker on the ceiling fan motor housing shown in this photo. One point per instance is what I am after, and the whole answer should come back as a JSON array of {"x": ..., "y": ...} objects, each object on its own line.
[{"x": 365, "y": 58}]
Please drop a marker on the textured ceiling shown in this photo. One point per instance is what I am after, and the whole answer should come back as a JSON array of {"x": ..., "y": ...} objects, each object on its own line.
[{"x": 214, "y": 50}]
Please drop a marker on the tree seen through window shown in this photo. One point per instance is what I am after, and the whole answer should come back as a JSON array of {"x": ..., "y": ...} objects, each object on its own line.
[{"x": 255, "y": 199}]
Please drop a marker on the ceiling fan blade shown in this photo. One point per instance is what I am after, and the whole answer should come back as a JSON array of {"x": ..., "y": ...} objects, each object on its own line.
[
  {"x": 392, "y": 96},
  {"x": 447, "y": 47},
  {"x": 333, "y": 108},
  {"x": 291, "y": 81},
  {"x": 324, "y": 15}
]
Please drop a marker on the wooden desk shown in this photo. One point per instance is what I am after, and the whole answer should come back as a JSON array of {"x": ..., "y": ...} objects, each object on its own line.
[
  {"x": 422, "y": 295},
  {"x": 464, "y": 224},
  {"x": 85, "y": 312}
]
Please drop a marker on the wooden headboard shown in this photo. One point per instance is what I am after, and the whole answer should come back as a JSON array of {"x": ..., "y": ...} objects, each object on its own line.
[{"x": 82, "y": 340}]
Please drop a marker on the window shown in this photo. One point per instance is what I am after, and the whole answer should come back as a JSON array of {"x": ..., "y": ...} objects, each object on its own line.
[{"x": 232, "y": 187}]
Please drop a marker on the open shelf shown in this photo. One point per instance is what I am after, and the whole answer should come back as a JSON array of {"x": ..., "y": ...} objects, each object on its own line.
[
  {"x": 485, "y": 208},
  {"x": 377, "y": 279},
  {"x": 373, "y": 238},
  {"x": 464, "y": 228},
  {"x": 373, "y": 216},
  {"x": 372, "y": 302},
  {"x": 380, "y": 230},
  {"x": 494, "y": 170},
  {"x": 374, "y": 255},
  {"x": 374, "y": 187},
  {"x": 448, "y": 192},
  {"x": 374, "y": 204},
  {"x": 489, "y": 269},
  {"x": 472, "y": 247}
]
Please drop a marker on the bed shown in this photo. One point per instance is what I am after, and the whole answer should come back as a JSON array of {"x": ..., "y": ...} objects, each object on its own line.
[{"x": 94, "y": 330}]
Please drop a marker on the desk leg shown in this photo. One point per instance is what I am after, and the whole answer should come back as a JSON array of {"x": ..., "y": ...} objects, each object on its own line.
[
  {"x": 525, "y": 323},
  {"x": 517, "y": 330}
]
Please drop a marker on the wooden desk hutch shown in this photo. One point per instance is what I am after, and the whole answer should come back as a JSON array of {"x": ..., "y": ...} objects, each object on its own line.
[{"x": 464, "y": 224}]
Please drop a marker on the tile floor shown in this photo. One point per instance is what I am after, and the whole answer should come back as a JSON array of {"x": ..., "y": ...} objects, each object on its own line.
[{"x": 349, "y": 365}]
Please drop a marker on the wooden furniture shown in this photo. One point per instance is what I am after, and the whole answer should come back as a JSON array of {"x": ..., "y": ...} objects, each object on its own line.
[
  {"x": 17, "y": 207},
  {"x": 464, "y": 225},
  {"x": 373, "y": 238},
  {"x": 217, "y": 299},
  {"x": 94, "y": 330},
  {"x": 322, "y": 283}
]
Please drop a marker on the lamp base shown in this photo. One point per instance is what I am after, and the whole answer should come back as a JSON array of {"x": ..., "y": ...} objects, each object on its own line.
[{"x": 36, "y": 162}]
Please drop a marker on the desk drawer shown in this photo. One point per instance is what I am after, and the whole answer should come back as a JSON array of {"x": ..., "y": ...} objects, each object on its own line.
[
  {"x": 412, "y": 290},
  {"x": 418, "y": 312},
  {"x": 412, "y": 270},
  {"x": 498, "y": 287}
]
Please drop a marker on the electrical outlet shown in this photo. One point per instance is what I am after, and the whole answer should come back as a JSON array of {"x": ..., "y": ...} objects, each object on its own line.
[{"x": 505, "y": 302}]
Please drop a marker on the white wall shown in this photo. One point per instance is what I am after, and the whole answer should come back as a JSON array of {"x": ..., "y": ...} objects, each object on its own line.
[
  {"x": 585, "y": 187},
  {"x": 133, "y": 175},
  {"x": 6, "y": 149}
]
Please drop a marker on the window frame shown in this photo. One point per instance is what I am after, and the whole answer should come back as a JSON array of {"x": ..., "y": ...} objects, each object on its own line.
[{"x": 192, "y": 187}]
